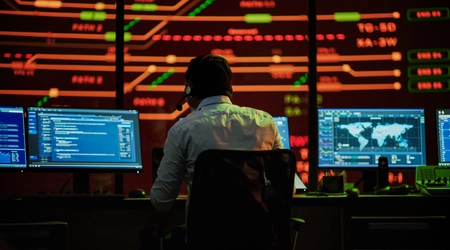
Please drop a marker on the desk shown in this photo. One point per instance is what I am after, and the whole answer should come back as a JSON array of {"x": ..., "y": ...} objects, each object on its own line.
[
  {"x": 376, "y": 221},
  {"x": 331, "y": 221}
]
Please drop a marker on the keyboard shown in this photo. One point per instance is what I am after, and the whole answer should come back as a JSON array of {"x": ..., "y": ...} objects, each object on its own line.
[
  {"x": 93, "y": 196},
  {"x": 316, "y": 193}
]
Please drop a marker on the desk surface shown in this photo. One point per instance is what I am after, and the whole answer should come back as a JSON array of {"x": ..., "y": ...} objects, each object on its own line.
[
  {"x": 300, "y": 200},
  {"x": 109, "y": 222}
]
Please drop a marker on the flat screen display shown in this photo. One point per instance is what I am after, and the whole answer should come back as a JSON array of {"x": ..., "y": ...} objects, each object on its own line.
[
  {"x": 443, "y": 136},
  {"x": 72, "y": 139},
  {"x": 355, "y": 138},
  {"x": 12, "y": 138}
]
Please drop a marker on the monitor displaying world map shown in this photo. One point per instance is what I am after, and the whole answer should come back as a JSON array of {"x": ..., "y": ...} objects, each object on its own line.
[{"x": 356, "y": 138}]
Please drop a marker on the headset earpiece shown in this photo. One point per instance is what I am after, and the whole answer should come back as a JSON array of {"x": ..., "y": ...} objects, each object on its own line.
[{"x": 188, "y": 90}]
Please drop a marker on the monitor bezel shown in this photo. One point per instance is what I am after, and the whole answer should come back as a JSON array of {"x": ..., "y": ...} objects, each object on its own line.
[
  {"x": 375, "y": 167},
  {"x": 86, "y": 170},
  {"x": 24, "y": 168}
]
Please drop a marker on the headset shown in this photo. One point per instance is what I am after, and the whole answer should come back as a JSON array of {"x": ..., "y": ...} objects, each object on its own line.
[{"x": 190, "y": 89}]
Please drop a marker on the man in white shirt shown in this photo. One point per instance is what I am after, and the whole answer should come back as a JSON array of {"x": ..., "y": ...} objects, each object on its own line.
[{"x": 214, "y": 123}]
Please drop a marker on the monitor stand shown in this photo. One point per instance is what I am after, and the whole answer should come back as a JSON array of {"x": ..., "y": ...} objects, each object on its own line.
[
  {"x": 118, "y": 183},
  {"x": 81, "y": 183}
]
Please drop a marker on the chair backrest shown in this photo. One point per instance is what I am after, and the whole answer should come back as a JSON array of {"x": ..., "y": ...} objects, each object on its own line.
[{"x": 240, "y": 199}]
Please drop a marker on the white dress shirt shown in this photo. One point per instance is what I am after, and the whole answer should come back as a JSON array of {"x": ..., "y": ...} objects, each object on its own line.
[{"x": 216, "y": 124}]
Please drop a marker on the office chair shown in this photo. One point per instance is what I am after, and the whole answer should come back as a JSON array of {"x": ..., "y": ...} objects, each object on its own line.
[{"x": 240, "y": 199}]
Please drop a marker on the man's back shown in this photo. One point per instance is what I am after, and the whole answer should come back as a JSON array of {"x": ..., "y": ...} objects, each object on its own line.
[
  {"x": 218, "y": 124},
  {"x": 225, "y": 126}
]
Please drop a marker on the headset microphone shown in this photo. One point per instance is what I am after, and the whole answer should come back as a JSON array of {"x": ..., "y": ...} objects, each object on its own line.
[{"x": 179, "y": 107}]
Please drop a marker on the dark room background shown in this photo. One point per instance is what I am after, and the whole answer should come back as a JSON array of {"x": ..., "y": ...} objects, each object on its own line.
[{"x": 62, "y": 54}]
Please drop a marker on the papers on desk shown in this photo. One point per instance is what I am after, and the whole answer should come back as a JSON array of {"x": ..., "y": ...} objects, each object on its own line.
[{"x": 300, "y": 187}]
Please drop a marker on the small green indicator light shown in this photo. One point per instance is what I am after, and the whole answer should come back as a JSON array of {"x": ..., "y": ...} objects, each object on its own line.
[
  {"x": 127, "y": 36},
  {"x": 110, "y": 36},
  {"x": 162, "y": 78},
  {"x": 99, "y": 16},
  {"x": 44, "y": 100},
  {"x": 136, "y": 7},
  {"x": 93, "y": 16},
  {"x": 144, "y": 7},
  {"x": 87, "y": 15},
  {"x": 150, "y": 7},
  {"x": 301, "y": 80},
  {"x": 200, "y": 8},
  {"x": 258, "y": 18},
  {"x": 347, "y": 16}
]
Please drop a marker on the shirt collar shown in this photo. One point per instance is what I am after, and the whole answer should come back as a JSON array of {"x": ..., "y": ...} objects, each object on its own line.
[{"x": 214, "y": 100}]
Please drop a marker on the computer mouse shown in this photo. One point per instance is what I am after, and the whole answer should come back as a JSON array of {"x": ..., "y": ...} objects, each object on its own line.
[
  {"x": 352, "y": 191},
  {"x": 401, "y": 186},
  {"x": 137, "y": 193}
]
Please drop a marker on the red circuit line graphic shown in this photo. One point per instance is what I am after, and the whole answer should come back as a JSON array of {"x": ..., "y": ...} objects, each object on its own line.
[
  {"x": 179, "y": 18},
  {"x": 278, "y": 64},
  {"x": 164, "y": 21},
  {"x": 262, "y": 69},
  {"x": 321, "y": 87},
  {"x": 332, "y": 57},
  {"x": 60, "y": 4}
]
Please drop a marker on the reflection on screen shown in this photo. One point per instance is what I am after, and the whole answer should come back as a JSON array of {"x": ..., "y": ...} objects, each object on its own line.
[
  {"x": 443, "y": 133},
  {"x": 92, "y": 139},
  {"x": 12, "y": 138},
  {"x": 356, "y": 138}
]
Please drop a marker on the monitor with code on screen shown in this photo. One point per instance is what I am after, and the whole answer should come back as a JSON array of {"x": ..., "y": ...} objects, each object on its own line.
[{"x": 77, "y": 139}]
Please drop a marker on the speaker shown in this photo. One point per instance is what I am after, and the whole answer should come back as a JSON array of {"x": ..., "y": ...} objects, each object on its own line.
[{"x": 383, "y": 172}]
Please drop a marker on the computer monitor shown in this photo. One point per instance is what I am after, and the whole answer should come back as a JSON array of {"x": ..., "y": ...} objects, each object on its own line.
[
  {"x": 82, "y": 141},
  {"x": 92, "y": 140},
  {"x": 282, "y": 123},
  {"x": 443, "y": 136},
  {"x": 12, "y": 139},
  {"x": 354, "y": 138}
]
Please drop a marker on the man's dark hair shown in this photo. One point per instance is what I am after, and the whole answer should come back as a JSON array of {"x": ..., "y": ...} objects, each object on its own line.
[{"x": 209, "y": 75}]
